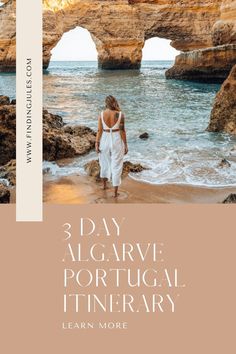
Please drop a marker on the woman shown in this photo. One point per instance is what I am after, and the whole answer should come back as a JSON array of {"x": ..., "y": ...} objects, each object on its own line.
[{"x": 111, "y": 143}]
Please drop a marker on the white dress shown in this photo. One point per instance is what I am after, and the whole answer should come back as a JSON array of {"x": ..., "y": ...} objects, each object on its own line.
[{"x": 112, "y": 153}]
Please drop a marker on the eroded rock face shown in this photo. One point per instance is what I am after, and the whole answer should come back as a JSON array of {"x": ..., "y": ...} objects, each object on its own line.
[
  {"x": 118, "y": 28},
  {"x": 7, "y": 131},
  {"x": 214, "y": 63},
  {"x": 8, "y": 36},
  {"x": 223, "y": 115},
  {"x": 59, "y": 141},
  {"x": 204, "y": 65},
  {"x": 224, "y": 30}
]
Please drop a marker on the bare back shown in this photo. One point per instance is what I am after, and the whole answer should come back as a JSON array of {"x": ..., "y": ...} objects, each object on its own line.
[{"x": 110, "y": 117}]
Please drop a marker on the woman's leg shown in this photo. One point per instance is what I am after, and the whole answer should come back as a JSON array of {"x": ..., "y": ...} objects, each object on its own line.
[
  {"x": 105, "y": 163},
  {"x": 117, "y": 165},
  {"x": 104, "y": 180},
  {"x": 116, "y": 191}
]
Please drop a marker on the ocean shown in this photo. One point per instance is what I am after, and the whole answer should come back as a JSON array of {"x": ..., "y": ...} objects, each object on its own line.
[{"x": 175, "y": 114}]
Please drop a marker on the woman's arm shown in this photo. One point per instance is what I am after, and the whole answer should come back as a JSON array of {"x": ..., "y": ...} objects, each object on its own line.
[
  {"x": 99, "y": 134},
  {"x": 123, "y": 133}
]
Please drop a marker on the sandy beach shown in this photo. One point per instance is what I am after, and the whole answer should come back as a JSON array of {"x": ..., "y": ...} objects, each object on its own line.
[{"x": 84, "y": 190}]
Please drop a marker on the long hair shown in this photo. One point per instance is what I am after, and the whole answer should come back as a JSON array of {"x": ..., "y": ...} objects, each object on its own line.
[{"x": 112, "y": 103}]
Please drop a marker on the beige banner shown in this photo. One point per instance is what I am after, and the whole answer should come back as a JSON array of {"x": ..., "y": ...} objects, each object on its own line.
[
  {"x": 198, "y": 240},
  {"x": 29, "y": 110}
]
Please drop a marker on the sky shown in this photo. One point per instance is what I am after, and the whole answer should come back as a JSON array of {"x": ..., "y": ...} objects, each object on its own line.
[{"x": 78, "y": 45}]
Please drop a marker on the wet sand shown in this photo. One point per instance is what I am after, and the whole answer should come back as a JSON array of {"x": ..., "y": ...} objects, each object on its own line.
[{"x": 84, "y": 190}]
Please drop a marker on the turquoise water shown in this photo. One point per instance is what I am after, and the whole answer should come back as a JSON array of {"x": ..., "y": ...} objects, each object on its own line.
[{"x": 174, "y": 113}]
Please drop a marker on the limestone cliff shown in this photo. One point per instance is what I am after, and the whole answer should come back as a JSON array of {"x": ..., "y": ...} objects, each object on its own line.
[
  {"x": 215, "y": 63},
  {"x": 205, "y": 31},
  {"x": 224, "y": 30},
  {"x": 223, "y": 116},
  {"x": 118, "y": 28},
  {"x": 205, "y": 65}
]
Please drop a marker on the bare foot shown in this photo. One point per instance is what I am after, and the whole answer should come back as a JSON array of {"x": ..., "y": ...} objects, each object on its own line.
[
  {"x": 116, "y": 192},
  {"x": 104, "y": 184},
  {"x": 116, "y": 195}
]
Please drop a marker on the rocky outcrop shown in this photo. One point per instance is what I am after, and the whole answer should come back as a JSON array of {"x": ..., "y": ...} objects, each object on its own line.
[
  {"x": 223, "y": 115},
  {"x": 93, "y": 169},
  {"x": 63, "y": 142},
  {"x": 7, "y": 131},
  {"x": 4, "y": 100},
  {"x": 118, "y": 28},
  {"x": 205, "y": 65},
  {"x": 4, "y": 194},
  {"x": 224, "y": 30},
  {"x": 59, "y": 141},
  {"x": 8, "y": 172},
  {"x": 214, "y": 63}
]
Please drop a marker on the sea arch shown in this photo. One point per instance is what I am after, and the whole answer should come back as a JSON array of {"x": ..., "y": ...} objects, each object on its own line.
[
  {"x": 75, "y": 45},
  {"x": 120, "y": 29}
]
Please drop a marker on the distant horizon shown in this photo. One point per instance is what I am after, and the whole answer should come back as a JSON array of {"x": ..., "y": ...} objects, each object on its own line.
[{"x": 81, "y": 60}]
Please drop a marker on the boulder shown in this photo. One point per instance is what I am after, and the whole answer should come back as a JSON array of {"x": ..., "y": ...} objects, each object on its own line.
[
  {"x": 4, "y": 100},
  {"x": 224, "y": 164},
  {"x": 93, "y": 169},
  {"x": 132, "y": 167},
  {"x": 59, "y": 142},
  {"x": 144, "y": 136}
]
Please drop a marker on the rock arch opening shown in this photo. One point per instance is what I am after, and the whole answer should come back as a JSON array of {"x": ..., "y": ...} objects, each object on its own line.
[
  {"x": 158, "y": 49},
  {"x": 75, "y": 45}
]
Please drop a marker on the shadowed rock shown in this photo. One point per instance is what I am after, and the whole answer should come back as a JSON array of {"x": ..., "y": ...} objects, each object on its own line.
[
  {"x": 204, "y": 65},
  {"x": 7, "y": 133},
  {"x": 144, "y": 136},
  {"x": 224, "y": 164},
  {"x": 230, "y": 199},
  {"x": 4, "y": 194},
  {"x": 4, "y": 100}
]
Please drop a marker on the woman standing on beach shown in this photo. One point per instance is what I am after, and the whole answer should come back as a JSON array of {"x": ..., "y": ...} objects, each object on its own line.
[{"x": 111, "y": 143}]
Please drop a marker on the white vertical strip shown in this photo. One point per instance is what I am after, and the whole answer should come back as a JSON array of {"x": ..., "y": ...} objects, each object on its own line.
[{"x": 29, "y": 110}]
